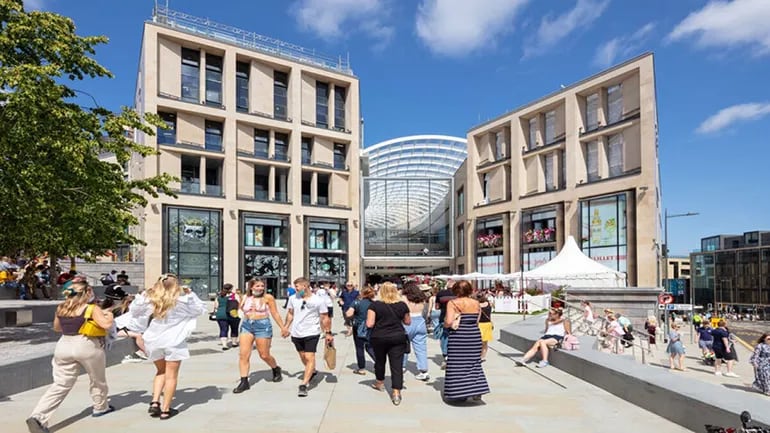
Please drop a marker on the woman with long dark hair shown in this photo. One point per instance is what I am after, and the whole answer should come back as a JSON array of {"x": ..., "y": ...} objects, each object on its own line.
[
  {"x": 417, "y": 330},
  {"x": 257, "y": 307},
  {"x": 226, "y": 312},
  {"x": 83, "y": 326}
]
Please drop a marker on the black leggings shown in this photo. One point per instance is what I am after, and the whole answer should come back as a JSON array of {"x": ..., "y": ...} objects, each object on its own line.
[
  {"x": 231, "y": 323},
  {"x": 393, "y": 348}
]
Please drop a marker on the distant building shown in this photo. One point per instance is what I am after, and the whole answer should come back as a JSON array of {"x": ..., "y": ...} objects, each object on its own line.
[{"x": 732, "y": 271}]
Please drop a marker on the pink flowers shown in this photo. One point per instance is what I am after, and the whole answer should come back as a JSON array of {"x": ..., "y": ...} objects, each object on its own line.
[
  {"x": 540, "y": 235},
  {"x": 492, "y": 240}
]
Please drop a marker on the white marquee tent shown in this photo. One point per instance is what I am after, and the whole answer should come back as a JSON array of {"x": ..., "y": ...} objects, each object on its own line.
[{"x": 573, "y": 268}]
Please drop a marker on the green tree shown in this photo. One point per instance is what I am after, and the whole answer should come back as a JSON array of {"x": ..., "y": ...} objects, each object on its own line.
[{"x": 57, "y": 195}]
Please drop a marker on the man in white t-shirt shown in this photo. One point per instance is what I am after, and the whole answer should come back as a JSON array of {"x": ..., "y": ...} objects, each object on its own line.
[{"x": 306, "y": 318}]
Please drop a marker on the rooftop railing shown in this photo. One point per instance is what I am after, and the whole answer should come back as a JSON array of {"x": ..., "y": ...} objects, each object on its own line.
[{"x": 246, "y": 39}]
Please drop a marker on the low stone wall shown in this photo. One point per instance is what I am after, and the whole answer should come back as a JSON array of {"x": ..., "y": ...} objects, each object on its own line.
[
  {"x": 687, "y": 402},
  {"x": 31, "y": 373},
  {"x": 42, "y": 311},
  {"x": 636, "y": 303}
]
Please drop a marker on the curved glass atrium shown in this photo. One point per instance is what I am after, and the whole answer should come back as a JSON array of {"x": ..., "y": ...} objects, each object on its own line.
[{"x": 408, "y": 195}]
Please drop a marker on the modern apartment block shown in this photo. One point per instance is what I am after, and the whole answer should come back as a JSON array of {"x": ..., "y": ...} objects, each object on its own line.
[
  {"x": 582, "y": 161},
  {"x": 732, "y": 272},
  {"x": 265, "y": 138}
]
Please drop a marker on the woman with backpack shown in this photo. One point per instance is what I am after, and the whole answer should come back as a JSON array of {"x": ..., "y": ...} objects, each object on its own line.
[
  {"x": 357, "y": 312},
  {"x": 83, "y": 326},
  {"x": 226, "y": 312}
]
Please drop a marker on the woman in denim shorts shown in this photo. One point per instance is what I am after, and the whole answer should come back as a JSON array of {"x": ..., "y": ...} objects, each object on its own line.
[{"x": 257, "y": 307}]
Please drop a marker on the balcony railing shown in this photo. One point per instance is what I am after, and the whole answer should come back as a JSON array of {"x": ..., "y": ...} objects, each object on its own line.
[
  {"x": 281, "y": 196},
  {"x": 260, "y": 195},
  {"x": 190, "y": 187},
  {"x": 214, "y": 190}
]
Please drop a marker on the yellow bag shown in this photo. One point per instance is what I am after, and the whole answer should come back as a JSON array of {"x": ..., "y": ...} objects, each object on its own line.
[{"x": 90, "y": 328}]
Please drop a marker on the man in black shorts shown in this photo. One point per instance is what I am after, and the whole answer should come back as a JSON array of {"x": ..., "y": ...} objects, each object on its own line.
[{"x": 307, "y": 316}]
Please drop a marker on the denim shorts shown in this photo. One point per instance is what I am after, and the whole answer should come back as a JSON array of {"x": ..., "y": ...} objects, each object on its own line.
[{"x": 260, "y": 328}]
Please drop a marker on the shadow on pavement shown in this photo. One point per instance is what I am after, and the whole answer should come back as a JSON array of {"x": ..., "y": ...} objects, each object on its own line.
[
  {"x": 188, "y": 397},
  {"x": 120, "y": 401}
]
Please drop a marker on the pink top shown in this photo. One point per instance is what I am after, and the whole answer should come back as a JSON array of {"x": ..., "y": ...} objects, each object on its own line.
[{"x": 252, "y": 306}]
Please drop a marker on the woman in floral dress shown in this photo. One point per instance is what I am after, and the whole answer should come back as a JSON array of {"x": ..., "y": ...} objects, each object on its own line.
[{"x": 761, "y": 362}]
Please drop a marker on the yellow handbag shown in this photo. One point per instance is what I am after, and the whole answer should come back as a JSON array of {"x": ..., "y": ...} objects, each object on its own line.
[{"x": 90, "y": 328}]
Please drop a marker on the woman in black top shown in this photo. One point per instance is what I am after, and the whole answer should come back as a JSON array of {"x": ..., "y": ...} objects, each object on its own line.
[
  {"x": 386, "y": 318},
  {"x": 485, "y": 324}
]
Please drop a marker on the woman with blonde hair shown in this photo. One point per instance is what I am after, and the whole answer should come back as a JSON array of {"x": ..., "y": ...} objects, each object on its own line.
[
  {"x": 257, "y": 307},
  {"x": 388, "y": 338},
  {"x": 83, "y": 326},
  {"x": 174, "y": 314}
]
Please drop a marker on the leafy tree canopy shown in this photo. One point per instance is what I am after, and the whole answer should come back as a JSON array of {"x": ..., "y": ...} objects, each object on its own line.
[{"x": 56, "y": 194}]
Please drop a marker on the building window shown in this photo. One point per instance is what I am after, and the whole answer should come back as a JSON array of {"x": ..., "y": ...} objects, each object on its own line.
[
  {"x": 280, "y": 95},
  {"x": 550, "y": 185},
  {"x": 191, "y": 174},
  {"x": 614, "y": 104},
  {"x": 550, "y": 127},
  {"x": 538, "y": 237},
  {"x": 167, "y": 135},
  {"x": 307, "y": 181},
  {"x": 214, "y": 177},
  {"x": 261, "y": 143},
  {"x": 322, "y": 198},
  {"x": 265, "y": 249},
  {"x": 340, "y": 96},
  {"x": 242, "y": 70},
  {"x": 709, "y": 244},
  {"x": 327, "y": 242},
  {"x": 460, "y": 240},
  {"x": 340, "y": 156},
  {"x": 592, "y": 112},
  {"x": 282, "y": 185},
  {"x": 615, "y": 154},
  {"x": 261, "y": 182},
  {"x": 532, "y": 132},
  {"x": 192, "y": 241},
  {"x": 213, "y": 80},
  {"x": 592, "y": 160},
  {"x": 213, "y": 136},
  {"x": 307, "y": 150},
  {"x": 322, "y": 104},
  {"x": 190, "y": 75},
  {"x": 281, "y": 147},
  {"x": 499, "y": 145},
  {"x": 485, "y": 187},
  {"x": 563, "y": 169},
  {"x": 460, "y": 202},
  {"x": 603, "y": 230}
]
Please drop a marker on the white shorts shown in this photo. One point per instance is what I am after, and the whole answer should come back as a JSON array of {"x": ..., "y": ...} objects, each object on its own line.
[{"x": 176, "y": 353}]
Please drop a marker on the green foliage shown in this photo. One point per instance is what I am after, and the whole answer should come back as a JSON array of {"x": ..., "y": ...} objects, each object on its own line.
[{"x": 56, "y": 194}]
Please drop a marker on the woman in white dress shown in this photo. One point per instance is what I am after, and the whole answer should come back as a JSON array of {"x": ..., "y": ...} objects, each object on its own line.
[{"x": 173, "y": 315}]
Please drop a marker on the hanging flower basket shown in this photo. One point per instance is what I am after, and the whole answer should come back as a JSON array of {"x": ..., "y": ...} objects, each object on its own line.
[
  {"x": 489, "y": 241},
  {"x": 537, "y": 236}
]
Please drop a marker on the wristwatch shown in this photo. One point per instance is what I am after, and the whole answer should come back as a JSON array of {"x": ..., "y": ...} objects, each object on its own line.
[{"x": 328, "y": 332}]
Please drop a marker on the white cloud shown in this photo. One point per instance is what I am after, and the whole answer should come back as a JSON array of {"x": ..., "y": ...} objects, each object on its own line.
[
  {"x": 332, "y": 19},
  {"x": 622, "y": 46},
  {"x": 721, "y": 24},
  {"x": 553, "y": 30},
  {"x": 735, "y": 113},
  {"x": 459, "y": 27}
]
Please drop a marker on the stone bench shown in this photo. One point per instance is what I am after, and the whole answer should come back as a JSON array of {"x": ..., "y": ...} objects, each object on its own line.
[{"x": 16, "y": 317}]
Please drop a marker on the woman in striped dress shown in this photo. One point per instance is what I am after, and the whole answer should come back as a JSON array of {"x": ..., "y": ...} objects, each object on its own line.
[{"x": 464, "y": 376}]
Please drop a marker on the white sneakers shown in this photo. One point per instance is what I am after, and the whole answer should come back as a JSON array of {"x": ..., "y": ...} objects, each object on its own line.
[
  {"x": 424, "y": 376},
  {"x": 728, "y": 374}
]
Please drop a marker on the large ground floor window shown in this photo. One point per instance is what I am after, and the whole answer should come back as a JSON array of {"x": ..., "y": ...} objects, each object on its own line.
[
  {"x": 193, "y": 248},
  {"x": 538, "y": 236},
  {"x": 265, "y": 241},
  {"x": 328, "y": 251},
  {"x": 604, "y": 230}
]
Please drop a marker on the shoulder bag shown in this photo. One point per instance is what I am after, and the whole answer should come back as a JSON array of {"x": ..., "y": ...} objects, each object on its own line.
[{"x": 89, "y": 327}]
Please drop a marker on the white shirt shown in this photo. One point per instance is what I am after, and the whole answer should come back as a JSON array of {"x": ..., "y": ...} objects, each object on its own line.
[
  {"x": 173, "y": 330},
  {"x": 556, "y": 329},
  {"x": 307, "y": 318},
  {"x": 326, "y": 295}
]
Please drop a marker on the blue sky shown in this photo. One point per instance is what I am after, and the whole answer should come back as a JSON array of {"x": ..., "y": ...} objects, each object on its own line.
[{"x": 442, "y": 66}]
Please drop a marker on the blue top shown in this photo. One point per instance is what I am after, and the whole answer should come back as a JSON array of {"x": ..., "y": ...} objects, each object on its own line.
[
  {"x": 718, "y": 335},
  {"x": 704, "y": 334},
  {"x": 348, "y": 297},
  {"x": 360, "y": 308}
]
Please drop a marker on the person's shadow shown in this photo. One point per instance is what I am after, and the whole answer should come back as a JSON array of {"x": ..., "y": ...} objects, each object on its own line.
[
  {"x": 188, "y": 397},
  {"x": 119, "y": 401}
]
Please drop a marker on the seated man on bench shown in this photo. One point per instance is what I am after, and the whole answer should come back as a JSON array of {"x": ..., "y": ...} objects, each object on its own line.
[{"x": 556, "y": 327}]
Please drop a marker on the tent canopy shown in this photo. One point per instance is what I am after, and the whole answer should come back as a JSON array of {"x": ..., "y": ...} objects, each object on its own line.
[{"x": 571, "y": 267}]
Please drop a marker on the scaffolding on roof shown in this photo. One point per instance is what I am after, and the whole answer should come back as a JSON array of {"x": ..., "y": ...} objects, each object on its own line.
[{"x": 203, "y": 26}]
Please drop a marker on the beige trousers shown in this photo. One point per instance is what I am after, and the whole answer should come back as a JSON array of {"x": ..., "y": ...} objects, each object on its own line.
[{"x": 72, "y": 352}]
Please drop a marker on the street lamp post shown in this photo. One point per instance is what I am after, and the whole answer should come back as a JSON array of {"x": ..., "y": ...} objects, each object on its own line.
[{"x": 665, "y": 261}]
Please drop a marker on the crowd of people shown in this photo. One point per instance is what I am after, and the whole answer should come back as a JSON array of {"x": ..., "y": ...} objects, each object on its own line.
[{"x": 387, "y": 324}]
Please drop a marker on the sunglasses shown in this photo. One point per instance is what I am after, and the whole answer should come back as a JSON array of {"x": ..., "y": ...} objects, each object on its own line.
[
  {"x": 165, "y": 277},
  {"x": 304, "y": 303}
]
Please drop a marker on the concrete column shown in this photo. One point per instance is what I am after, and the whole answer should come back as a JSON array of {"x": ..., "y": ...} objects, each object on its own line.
[
  {"x": 202, "y": 179},
  {"x": 202, "y": 77},
  {"x": 271, "y": 183}
]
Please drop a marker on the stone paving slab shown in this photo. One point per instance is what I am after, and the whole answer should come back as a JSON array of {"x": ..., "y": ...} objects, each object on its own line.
[{"x": 522, "y": 399}]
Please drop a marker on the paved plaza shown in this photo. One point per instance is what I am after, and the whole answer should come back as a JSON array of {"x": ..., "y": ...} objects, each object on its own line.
[{"x": 522, "y": 399}]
